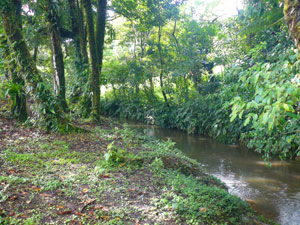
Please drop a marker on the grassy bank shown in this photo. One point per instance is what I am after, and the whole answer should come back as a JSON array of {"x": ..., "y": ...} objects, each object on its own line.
[{"x": 109, "y": 175}]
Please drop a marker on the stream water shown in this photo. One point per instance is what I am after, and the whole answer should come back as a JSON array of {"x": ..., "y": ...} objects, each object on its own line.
[{"x": 273, "y": 191}]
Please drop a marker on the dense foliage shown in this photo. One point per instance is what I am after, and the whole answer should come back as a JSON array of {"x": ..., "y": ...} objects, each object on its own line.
[
  {"x": 160, "y": 62},
  {"x": 254, "y": 99}
]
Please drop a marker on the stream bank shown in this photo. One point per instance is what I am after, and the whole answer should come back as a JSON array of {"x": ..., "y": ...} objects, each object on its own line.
[
  {"x": 272, "y": 189},
  {"x": 111, "y": 175}
]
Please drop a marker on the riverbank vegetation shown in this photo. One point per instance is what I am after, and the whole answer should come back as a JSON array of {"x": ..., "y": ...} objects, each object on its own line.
[
  {"x": 109, "y": 175},
  {"x": 236, "y": 80},
  {"x": 170, "y": 63}
]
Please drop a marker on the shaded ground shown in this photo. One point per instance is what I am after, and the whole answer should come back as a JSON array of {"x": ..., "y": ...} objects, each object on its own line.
[{"x": 109, "y": 175}]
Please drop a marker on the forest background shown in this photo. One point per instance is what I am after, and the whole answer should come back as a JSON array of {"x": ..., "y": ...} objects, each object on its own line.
[{"x": 157, "y": 61}]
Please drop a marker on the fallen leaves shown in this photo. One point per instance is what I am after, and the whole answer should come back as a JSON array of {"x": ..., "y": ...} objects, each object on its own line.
[
  {"x": 13, "y": 198},
  {"x": 45, "y": 195},
  {"x": 105, "y": 209},
  {"x": 101, "y": 207},
  {"x": 105, "y": 217},
  {"x": 64, "y": 212},
  {"x": 24, "y": 216},
  {"x": 88, "y": 202},
  {"x": 85, "y": 190},
  {"x": 203, "y": 209},
  {"x": 78, "y": 214},
  {"x": 11, "y": 214},
  {"x": 73, "y": 222}
]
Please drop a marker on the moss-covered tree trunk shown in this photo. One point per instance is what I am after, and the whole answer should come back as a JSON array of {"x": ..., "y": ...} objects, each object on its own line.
[
  {"x": 83, "y": 32},
  {"x": 94, "y": 80},
  {"x": 18, "y": 106},
  {"x": 81, "y": 62},
  {"x": 18, "y": 109},
  {"x": 50, "y": 112},
  {"x": 292, "y": 15},
  {"x": 77, "y": 24},
  {"x": 59, "y": 80},
  {"x": 75, "y": 28},
  {"x": 100, "y": 33},
  {"x": 100, "y": 30}
]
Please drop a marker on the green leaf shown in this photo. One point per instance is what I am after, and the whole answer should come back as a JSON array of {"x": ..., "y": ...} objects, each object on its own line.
[
  {"x": 290, "y": 114},
  {"x": 233, "y": 116},
  {"x": 247, "y": 121},
  {"x": 255, "y": 117},
  {"x": 241, "y": 114}
]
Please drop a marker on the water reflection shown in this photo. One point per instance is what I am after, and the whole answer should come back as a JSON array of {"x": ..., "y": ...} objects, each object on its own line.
[{"x": 274, "y": 191}]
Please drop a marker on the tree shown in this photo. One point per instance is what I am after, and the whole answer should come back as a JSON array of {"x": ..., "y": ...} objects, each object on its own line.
[
  {"x": 77, "y": 25},
  {"x": 95, "y": 76},
  {"x": 57, "y": 54},
  {"x": 151, "y": 14},
  {"x": 16, "y": 86},
  {"x": 100, "y": 30},
  {"x": 49, "y": 111},
  {"x": 292, "y": 15}
]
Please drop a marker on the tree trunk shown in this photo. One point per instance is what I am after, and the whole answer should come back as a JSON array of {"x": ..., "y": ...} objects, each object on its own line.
[
  {"x": 83, "y": 33},
  {"x": 100, "y": 30},
  {"x": 57, "y": 54},
  {"x": 142, "y": 44},
  {"x": 94, "y": 80},
  {"x": 292, "y": 15},
  {"x": 174, "y": 36},
  {"x": 18, "y": 106},
  {"x": 161, "y": 66},
  {"x": 18, "y": 109},
  {"x": 78, "y": 29},
  {"x": 35, "y": 53},
  {"x": 100, "y": 33},
  {"x": 50, "y": 112},
  {"x": 80, "y": 44}
]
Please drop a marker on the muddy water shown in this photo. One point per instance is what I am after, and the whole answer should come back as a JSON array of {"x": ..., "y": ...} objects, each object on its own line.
[{"x": 273, "y": 191}]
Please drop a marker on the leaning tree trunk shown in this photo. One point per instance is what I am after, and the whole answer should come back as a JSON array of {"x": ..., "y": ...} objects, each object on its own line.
[
  {"x": 57, "y": 54},
  {"x": 94, "y": 80},
  {"x": 292, "y": 15},
  {"x": 49, "y": 111}
]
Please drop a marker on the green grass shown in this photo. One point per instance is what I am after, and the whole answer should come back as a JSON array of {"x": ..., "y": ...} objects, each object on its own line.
[{"x": 119, "y": 169}]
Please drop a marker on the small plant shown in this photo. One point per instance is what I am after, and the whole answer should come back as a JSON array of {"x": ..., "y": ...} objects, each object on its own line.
[{"x": 114, "y": 155}]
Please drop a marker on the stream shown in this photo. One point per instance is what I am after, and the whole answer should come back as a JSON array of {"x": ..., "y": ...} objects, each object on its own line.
[{"x": 273, "y": 191}]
